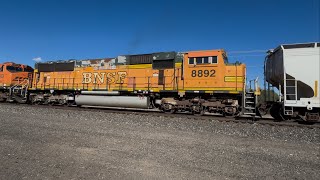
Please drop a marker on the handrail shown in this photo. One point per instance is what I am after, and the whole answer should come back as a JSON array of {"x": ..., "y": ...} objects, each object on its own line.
[
  {"x": 24, "y": 85},
  {"x": 76, "y": 83}
]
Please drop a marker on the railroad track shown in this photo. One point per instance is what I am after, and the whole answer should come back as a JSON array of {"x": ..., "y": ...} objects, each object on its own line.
[{"x": 206, "y": 117}]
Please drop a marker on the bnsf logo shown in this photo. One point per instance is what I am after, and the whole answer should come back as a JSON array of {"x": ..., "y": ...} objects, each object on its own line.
[{"x": 112, "y": 77}]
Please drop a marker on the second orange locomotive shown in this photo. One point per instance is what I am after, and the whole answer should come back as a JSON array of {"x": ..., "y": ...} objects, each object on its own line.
[{"x": 195, "y": 81}]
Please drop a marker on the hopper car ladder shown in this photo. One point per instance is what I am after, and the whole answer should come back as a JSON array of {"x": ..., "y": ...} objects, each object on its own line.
[{"x": 290, "y": 94}]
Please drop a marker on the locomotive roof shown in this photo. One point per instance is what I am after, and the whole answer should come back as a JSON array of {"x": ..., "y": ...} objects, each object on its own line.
[{"x": 74, "y": 60}]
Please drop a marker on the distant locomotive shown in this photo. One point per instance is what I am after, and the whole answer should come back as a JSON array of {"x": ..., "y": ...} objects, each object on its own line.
[{"x": 14, "y": 79}]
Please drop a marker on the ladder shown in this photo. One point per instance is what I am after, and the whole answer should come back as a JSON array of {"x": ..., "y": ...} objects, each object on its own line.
[
  {"x": 291, "y": 95},
  {"x": 251, "y": 99},
  {"x": 288, "y": 110},
  {"x": 249, "y": 104},
  {"x": 291, "y": 89}
]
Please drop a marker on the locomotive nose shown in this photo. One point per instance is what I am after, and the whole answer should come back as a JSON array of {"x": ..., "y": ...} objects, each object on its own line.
[{"x": 19, "y": 77}]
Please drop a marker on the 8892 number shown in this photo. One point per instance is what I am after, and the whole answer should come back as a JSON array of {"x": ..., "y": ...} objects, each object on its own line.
[{"x": 203, "y": 73}]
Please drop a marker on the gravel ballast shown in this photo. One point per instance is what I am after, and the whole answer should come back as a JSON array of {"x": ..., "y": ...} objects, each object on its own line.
[{"x": 44, "y": 143}]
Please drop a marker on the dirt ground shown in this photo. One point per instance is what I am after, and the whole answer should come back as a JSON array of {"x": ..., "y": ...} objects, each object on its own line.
[{"x": 46, "y": 143}]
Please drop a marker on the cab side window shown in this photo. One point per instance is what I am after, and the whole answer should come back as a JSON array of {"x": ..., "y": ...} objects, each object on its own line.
[
  {"x": 1, "y": 68},
  {"x": 191, "y": 60},
  {"x": 214, "y": 59},
  {"x": 204, "y": 60},
  {"x": 199, "y": 60}
]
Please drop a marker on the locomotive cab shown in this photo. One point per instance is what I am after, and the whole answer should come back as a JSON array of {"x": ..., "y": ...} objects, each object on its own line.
[
  {"x": 213, "y": 84},
  {"x": 209, "y": 71}
]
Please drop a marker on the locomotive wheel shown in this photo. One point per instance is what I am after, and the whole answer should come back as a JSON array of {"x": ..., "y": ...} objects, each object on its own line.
[
  {"x": 200, "y": 111},
  {"x": 69, "y": 103},
  {"x": 171, "y": 111},
  {"x": 168, "y": 108},
  {"x": 62, "y": 102},
  {"x": 263, "y": 110},
  {"x": 36, "y": 102}
]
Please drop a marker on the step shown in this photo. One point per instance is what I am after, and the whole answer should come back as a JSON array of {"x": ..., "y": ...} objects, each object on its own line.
[
  {"x": 288, "y": 112},
  {"x": 253, "y": 114},
  {"x": 249, "y": 97},
  {"x": 249, "y": 107},
  {"x": 248, "y": 102}
]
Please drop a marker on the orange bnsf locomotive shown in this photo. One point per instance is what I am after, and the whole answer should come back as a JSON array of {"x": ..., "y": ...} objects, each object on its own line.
[
  {"x": 195, "y": 82},
  {"x": 14, "y": 80}
]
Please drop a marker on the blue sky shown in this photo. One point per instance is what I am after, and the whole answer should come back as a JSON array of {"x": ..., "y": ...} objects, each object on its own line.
[{"x": 78, "y": 29}]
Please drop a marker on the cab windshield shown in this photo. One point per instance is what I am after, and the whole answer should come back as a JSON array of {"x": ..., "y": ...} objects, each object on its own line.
[
  {"x": 28, "y": 69},
  {"x": 14, "y": 69}
]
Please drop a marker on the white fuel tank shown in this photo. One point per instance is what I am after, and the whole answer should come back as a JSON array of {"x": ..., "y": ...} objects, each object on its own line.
[{"x": 113, "y": 101}]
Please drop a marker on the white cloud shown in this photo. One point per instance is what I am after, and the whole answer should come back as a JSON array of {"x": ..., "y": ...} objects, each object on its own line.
[{"x": 37, "y": 59}]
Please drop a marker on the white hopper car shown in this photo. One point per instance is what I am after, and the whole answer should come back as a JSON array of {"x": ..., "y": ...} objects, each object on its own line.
[{"x": 294, "y": 70}]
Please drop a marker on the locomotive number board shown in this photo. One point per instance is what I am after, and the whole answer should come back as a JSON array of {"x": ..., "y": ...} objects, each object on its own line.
[{"x": 203, "y": 73}]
